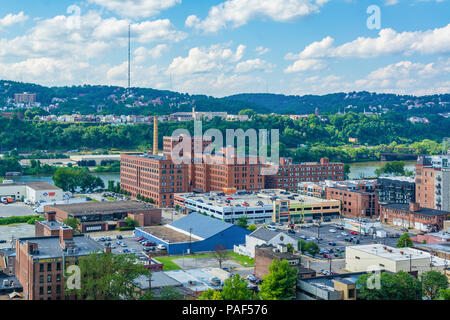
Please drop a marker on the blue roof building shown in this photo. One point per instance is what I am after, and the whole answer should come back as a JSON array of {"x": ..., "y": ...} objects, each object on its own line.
[{"x": 194, "y": 233}]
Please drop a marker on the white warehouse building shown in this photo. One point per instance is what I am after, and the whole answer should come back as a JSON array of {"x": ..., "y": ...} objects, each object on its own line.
[
  {"x": 33, "y": 191},
  {"x": 374, "y": 257}
]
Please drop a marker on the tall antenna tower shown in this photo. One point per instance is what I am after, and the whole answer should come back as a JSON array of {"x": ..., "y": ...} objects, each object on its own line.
[{"x": 129, "y": 57}]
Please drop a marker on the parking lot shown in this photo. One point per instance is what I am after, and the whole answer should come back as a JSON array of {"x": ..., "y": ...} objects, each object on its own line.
[
  {"x": 15, "y": 209},
  {"x": 127, "y": 244}
]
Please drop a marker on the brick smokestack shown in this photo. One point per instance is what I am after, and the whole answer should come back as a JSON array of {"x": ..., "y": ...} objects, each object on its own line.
[
  {"x": 155, "y": 135},
  {"x": 65, "y": 236},
  {"x": 50, "y": 216}
]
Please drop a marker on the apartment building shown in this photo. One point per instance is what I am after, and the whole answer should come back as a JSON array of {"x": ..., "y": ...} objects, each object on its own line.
[
  {"x": 433, "y": 182},
  {"x": 154, "y": 177},
  {"x": 396, "y": 190},
  {"x": 358, "y": 198},
  {"x": 291, "y": 174},
  {"x": 41, "y": 262}
]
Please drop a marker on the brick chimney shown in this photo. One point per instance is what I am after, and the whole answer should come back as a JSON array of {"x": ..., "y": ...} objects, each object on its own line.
[
  {"x": 65, "y": 236},
  {"x": 50, "y": 216},
  {"x": 414, "y": 207}
]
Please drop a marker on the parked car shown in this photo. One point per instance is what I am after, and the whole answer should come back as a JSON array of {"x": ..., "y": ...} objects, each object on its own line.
[
  {"x": 270, "y": 227},
  {"x": 332, "y": 230},
  {"x": 332, "y": 243},
  {"x": 102, "y": 239},
  {"x": 150, "y": 244},
  {"x": 161, "y": 247},
  {"x": 337, "y": 255},
  {"x": 119, "y": 237},
  {"x": 348, "y": 239},
  {"x": 340, "y": 227},
  {"x": 126, "y": 251},
  {"x": 291, "y": 231},
  {"x": 2, "y": 241},
  {"x": 354, "y": 233},
  {"x": 140, "y": 238},
  {"x": 344, "y": 234},
  {"x": 326, "y": 256},
  {"x": 123, "y": 244}
]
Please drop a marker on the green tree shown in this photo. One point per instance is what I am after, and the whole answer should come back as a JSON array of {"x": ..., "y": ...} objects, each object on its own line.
[
  {"x": 131, "y": 222},
  {"x": 346, "y": 171},
  {"x": 280, "y": 282},
  {"x": 397, "y": 286},
  {"x": 290, "y": 247},
  {"x": 404, "y": 241},
  {"x": 432, "y": 283},
  {"x": 210, "y": 295},
  {"x": 73, "y": 223},
  {"x": 444, "y": 294},
  {"x": 242, "y": 222},
  {"x": 302, "y": 246},
  {"x": 252, "y": 227},
  {"x": 106, "y": 276},
  {"x": 312, "y": 248},
  {"x": 235, "y": 288},
  {"x": 169, "y": 293}
]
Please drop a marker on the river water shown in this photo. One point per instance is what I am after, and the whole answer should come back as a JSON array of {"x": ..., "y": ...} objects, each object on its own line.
[
  {"x": 46, "y": 178},
  {"x": 358, "y": 170}
]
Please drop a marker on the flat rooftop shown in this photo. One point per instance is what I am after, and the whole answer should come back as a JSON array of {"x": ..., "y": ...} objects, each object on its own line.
[
  {"x": 327, "y": 282},
  {"x": 423, "y": 211},
  {"x": 254, "y": 199},
  {"x": 198, "y": 279},
  {"x": 396, "y": 255},
  {"x": 398, "y": 179},
  {"x": 168, "y": 234},
  {"x": 52, "y": 225},
  {"x": 36, "y": 185},
  {"x": 106, "y": 207},
  {"x": 49, "y": 247},
  {"x": 149, "y": 156},
  {"x": 442, "y": 247}
]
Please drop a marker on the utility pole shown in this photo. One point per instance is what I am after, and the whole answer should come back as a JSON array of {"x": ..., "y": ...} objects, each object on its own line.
[
  {"x": 318, "y": 232},
  {"x": 190, "y": 236},
  {"x": 129, "y": 57},
  {"x": 329, "y": 260}
]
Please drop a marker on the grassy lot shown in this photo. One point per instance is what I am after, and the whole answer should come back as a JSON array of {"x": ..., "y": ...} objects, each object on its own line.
[
  {"x": 110, "y": 198},
  {"x": 170, "y": 265}
]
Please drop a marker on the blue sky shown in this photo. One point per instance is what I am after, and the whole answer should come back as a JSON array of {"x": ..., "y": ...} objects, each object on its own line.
[{"x": 223, "y": 47}]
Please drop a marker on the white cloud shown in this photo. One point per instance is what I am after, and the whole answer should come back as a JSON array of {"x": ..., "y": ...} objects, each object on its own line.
[
  {"x": 216, "y": 57},
  {"x": 236, "y": 13},
  {"x": 143, "y": 32},
  {"x": 391, "y": 2},
  {"x": 253, "y": 65},
  {"x": 388, "y": 42},
  {"x": 142, "y": 53},
  {"x": 12, "y": 19},
  {"x": 60, "y": 37},
  {"x": 305, "y": 65},
  {"x": 261, "y": 50},
  {"x": 48, "y": 71},
  {"x": 136, "y": 8}
]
